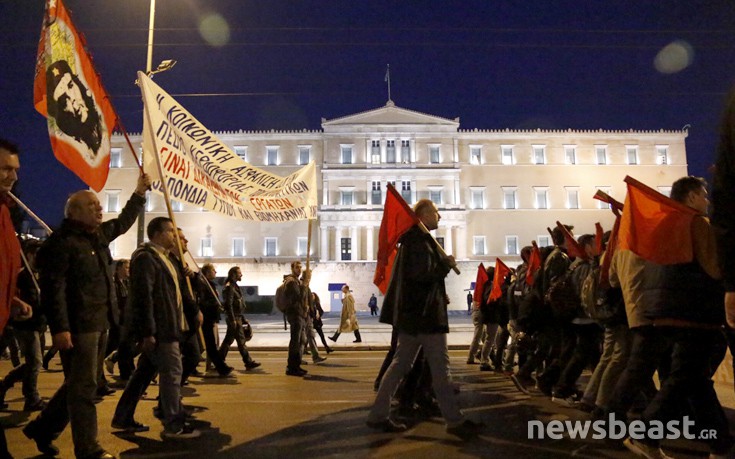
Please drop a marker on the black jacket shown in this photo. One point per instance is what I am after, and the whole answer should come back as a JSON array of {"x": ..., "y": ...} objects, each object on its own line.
[
  {"x": 208, "y": 303},
  {"x": 416, "y": 299},
  {"x": 232, "y": 302},
  {"x": 76, "y": 273}
]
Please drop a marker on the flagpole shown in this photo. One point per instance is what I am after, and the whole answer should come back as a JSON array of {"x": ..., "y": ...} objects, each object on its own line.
[
  {"x": 387, "y": 78},
  {"x": 308, "y": 244},
  {"x": 30, "y": 212},
  {"x": 164, "y": 187}
]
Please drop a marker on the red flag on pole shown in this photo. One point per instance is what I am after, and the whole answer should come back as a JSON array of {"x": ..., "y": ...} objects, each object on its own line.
[
  {"x": 397, "y": 219},
  {"x": 599, "y": 236},
  {"x": 501, "y": 271},
  {"x": 480, "y": 282},
  {"x": 9, "y": 264},
  {"x": 573, "y": 248},
  {"x": 534, "y": 263},
  {"x": 655, "y": 227},
  {"x": 69, "y": 93}
]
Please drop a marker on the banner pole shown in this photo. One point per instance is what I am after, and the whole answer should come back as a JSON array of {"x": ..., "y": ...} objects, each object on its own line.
[
  {"x": 308, "y": 243},
  {"x": 30, "y": 212}
]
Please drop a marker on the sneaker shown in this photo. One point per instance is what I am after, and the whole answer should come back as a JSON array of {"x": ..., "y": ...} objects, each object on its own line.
[
  {"x": 467, "y": 429},
  {"x": 296, "y": 372},
  {"x": 387, "y": 425},
  {"x": 184, "y": 433},
  {"x": 109, "y": 365},
  {"x": 569, "y": 402},
  {"x": 470, "y": 361},
  {"x": 641, "y": 449},
  {"x": 251, "y": 365},
  {"x": 38, "y": 405},
  {"x": 43, "y": 443},
  {"x": 104, "y": 391},
  {"x": 130, "y": 427},
  {"x": 226, "y": 371},
  {"x": 486, "y": 367},
  {"x": 319, "y": 359},
  {"x": 357, "y": 341}
]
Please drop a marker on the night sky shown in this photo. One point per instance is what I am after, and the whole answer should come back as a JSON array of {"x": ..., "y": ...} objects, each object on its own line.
[{"x": 286, "y": 64}]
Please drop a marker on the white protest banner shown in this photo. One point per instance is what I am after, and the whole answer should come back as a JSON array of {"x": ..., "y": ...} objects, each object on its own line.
[{"x": 199, "y": 169}]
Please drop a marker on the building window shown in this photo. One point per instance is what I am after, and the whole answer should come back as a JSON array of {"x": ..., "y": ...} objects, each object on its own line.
[
  {"x": 475, "y": 155},
  {"x": 346, "y": 196},
  {"x": 477, "y": 197},
  {"x": 511, "y": 245},
  {"x": 205, "y": 247},
  {"x": 601, "y": 153},
  {"x": 148, "y": 201},
  {"x": 271, "y": 156},
  {"x": 346, "y": 249},
  {"x": 177, "y": 206},
  {"x": 478, "y": 245},
  {"x": 301, "y": 246},
  {"x": 570, "y": 154},
  {"x": 112, "y": 200},
  {"x": 238, "y": 247},
  {"x": 509, "y": 198},
  {"x": 390, "y": 151},
  {"x": 601, "y": 204},
  {"x": 376, "y": 195},
  {"x": 440, "y": 240},
  {"x": 662, "y": 154},
  {"x": 271, "y": 246},
  {"x": 508, "y": 157},
  {"x": 435, "y": 154},
  {"x": 542, "y": 197},
  {"x": 632, "y": 154},
  {"x": 116, "y": 157},
  {"x": 543, "y": 241},
  {"x": 375, "y": 152},
  {"x": 539, "y": 154},
  {"x": 572, "y": 198},
  {"x": 346, "y": 154},
  {"x": 242, "y": 152},
  {"x": 665, "y": 190},
  {"x": 406, "y": 191},
  {"x": 405, "y": 151},
  {"x": 435, "y": 194},
  {"x": 304, "y": 155}
]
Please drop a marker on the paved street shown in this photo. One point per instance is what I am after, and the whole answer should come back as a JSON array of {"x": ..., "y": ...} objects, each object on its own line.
[{"x": 263, "y": 413}]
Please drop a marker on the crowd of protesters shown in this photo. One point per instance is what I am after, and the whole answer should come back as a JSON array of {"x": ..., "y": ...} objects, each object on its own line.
[{"x": 577, "y": 304}]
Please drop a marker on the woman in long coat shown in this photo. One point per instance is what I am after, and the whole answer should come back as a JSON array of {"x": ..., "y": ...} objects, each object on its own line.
[{"x": 348, "y": 320}]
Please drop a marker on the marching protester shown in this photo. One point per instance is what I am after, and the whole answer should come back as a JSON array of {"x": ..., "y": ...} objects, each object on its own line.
[
  {"x": 211, "y": 307},
  {"x": 77, "y": 291},
  {"x": 348, "y": 318},
  {"x": 416, "y": 305},
  {"x": 297, "y": 295},
  {"x": 317, "y": 322},
  {"x": 234, "y": 307}
]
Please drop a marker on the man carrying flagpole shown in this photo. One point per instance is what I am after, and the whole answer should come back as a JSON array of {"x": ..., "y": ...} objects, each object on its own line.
[{"x": 416, "y": 305}]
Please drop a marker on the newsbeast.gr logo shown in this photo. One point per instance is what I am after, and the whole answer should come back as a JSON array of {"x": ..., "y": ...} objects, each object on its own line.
[{"x": 615, "y": 429}]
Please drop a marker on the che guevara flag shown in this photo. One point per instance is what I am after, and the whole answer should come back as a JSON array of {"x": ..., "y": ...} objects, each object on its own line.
[
  {"x": 534, "y": 263},
  {"x": 397, "y": 219},
  {"x": 480, "y": 282},
  {"x": 501, "y": 272},
  {"x": 69, "y": 93},
  {"x": 655, "y": 227}
]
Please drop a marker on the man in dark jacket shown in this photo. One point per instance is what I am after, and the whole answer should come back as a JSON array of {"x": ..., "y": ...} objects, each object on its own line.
[
  {"x": 77, "y": 291},
  {"x": 416, "y": 305},
  {"x": 158, "y": 308},
  {"x": 298, "y": 295},
  {"x": 234, "y": 307},
  {"x": 211, "y": 307}
]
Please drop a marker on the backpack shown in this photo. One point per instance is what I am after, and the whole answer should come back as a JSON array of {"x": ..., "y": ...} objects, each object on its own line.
[
  {"x": 563, "y": 298},
  {"x": 604, "y": 304},
  {"x": 281, "y": 300}
]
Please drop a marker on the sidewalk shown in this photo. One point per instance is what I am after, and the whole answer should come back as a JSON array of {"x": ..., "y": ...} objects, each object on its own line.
[{"x": 269, "y": 334}]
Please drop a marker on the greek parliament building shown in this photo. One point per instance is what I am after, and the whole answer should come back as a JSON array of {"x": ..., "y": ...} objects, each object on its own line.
[{"x": 496, "y": 190}]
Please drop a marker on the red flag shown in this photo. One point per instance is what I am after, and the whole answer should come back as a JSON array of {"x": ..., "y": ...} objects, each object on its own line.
[
  {"x": 9, "y": 264},
  {"x": 69, "y": 93},
  {"x": 534, "y": 263},
  {"x": 604, "y": 197},
  {"x": 599, "y": 236},
  {"x": 655, "y": 227},
  {"x": 397, "y": 219},
  {"x": 501, "y": 271},
  {"x": 480, "y": 282},
  {"x": 573, "y": 248},
  {"x": 612, "y": 245}
]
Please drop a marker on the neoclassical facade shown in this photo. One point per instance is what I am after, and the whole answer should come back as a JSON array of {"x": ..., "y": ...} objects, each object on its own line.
[{"x": 496, "y": 189}]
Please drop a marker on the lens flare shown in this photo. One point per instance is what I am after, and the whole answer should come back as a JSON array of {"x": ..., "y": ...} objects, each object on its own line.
[
  {"x": 674, "y": 57},
  {"x": 214, "y": 29}
]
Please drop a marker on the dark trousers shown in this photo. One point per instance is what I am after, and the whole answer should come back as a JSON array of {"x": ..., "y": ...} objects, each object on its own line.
[
  {"x": 236, "y": 333},
  {"x": 127, "y": 350},
  {"x": 690, "y": 379},
  {"x": 134, "y": 390},
  {"x": 320, "y": 332},
  {"x": 190, "y": 353},
  {"x": 648, "y": 349},
  {"x": 296, "y": 326},
  {"x": 210, "y": 343},
  {"x": 586, "y": 347}
]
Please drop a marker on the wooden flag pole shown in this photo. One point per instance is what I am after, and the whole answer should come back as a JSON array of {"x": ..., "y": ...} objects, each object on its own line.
[
  {"x": 30, "y": 212},
  {"x": 308, "y": 244}
]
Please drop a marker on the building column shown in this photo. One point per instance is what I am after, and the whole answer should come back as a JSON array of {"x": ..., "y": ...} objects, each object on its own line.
[
  {"x": 369, "y": 243},
  {"x": 324, "y": 243},
  {"x": 354, "y": 244},
  {"x": 337, "y": 243},
  {"x": 448, "y": 240},
  {"x": 461, "y": 242}
]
